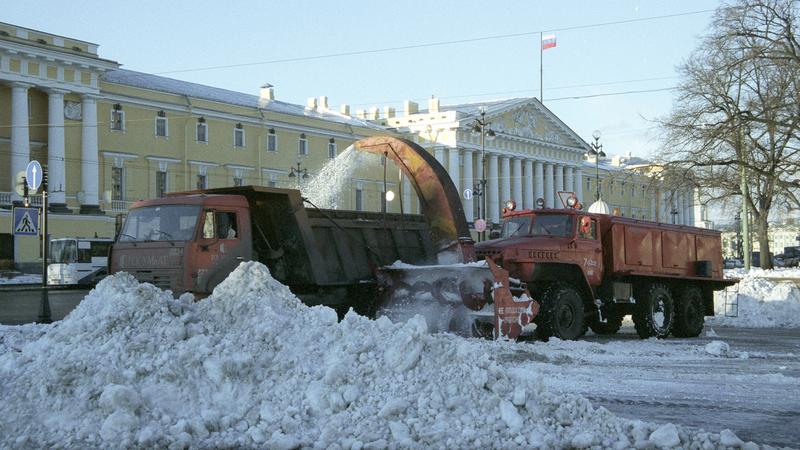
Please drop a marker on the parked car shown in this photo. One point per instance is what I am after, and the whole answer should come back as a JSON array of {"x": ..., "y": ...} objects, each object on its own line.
[{"x": 733, "y": 263}]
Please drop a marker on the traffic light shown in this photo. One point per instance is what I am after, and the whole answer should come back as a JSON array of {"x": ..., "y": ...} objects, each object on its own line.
[{"x": 44, "y": 179}]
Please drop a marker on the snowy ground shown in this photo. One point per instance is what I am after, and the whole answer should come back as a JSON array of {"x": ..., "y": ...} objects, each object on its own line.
[
  {"x": 20, "y": 278},
  {"x": 252, "y": 367}
]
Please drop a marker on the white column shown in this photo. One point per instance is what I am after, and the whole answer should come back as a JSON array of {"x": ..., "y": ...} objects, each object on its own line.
[
  {"x": 55, "y": 149},
  {"x": 89, "y": 163},
  {"x": 454, "y": 167},
  {"x": 20, "y": 134},
  {"x": 493, "y": 212},
  {"x": 505, "y": 179},
  {"x": 569, "y": 179},
  {"x": 516, "y": 181},
  {"x": 579, "y": 186},
  {"x": 407, "y": 195},
  {"x": 559, "y": 175},
  {"x": 653, "y": 206},
  {"x": 469, "y": 183},
  {"x": 527, "y": 181},
  {"x": 438, "y": 153},
  {"x": 538, "y": 179},
  {"x": 548, "y": 186}
]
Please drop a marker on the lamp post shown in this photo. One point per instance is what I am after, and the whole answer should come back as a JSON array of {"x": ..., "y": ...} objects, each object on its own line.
[
  {"x": 596, "y": 150},
  {"x": 300, "y": 172},
  {"x": 481, "y": 127},
  {"x": 737, "y": 220}
]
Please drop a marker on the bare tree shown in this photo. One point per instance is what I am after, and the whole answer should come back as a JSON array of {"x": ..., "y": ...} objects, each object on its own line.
[{"x": 734, "y": 127}]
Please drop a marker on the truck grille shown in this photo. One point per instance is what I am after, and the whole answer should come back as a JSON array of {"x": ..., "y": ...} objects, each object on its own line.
[
  {"x": 160, "y": 279},
  {"x": 495, "y": 255}
]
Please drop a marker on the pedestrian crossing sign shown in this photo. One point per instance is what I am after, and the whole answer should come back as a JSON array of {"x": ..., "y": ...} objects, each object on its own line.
[{"x": 26, "y": 221}]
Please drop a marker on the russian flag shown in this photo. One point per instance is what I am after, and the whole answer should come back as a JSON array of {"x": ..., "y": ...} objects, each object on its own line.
[{"x": 548, "y": 41}]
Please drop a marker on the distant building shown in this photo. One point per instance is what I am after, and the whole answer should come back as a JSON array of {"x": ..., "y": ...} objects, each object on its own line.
[{"x": 780, "y": 237}]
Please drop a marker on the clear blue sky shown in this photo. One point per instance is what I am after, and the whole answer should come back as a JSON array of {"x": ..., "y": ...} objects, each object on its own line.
[{"x": 165, "y": 36}]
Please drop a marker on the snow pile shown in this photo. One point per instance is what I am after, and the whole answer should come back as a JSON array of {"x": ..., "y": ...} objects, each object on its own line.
[
  {"x": 253, "y": 367},
  {"x": 767, "y": 299}
]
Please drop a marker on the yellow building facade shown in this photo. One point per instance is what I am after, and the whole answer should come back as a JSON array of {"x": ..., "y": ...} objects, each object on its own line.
[{"x": 109, "y": 136}]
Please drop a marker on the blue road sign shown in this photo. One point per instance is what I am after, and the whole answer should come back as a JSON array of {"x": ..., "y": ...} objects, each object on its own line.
[
  {"x": 26, "y": 221},
  {"x": 33, "y": 174}
]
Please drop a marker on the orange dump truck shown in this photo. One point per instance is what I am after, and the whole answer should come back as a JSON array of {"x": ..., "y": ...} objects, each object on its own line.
[{"x": 590, "y": 270}]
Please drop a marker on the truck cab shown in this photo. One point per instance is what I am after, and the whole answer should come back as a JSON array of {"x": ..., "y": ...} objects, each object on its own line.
[
  {"x": 185, "y": 244},
  {"x": 545, "y": 245}
]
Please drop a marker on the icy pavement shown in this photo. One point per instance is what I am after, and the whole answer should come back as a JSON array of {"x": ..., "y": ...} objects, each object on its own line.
[
  {"x": 725, "y": 379},
  {"x": 251, "y": 366}
]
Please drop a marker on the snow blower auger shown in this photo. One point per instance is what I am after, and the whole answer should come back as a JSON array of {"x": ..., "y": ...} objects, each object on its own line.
[{"x": 452, "y": 277}]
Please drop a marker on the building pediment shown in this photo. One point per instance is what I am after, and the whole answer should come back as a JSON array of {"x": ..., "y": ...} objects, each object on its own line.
[{"x": 529, "y": 119}]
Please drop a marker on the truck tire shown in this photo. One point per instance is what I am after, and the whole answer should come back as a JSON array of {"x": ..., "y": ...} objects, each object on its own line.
[
  {"x": 612, "y": 325},
  {"x": 655, "y": 311},
  {"x": 689, "y": 313},
  {"x": 562, "y": 313}
]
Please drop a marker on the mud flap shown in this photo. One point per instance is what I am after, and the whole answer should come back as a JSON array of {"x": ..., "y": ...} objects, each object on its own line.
[{"x": 511, "y": 313}]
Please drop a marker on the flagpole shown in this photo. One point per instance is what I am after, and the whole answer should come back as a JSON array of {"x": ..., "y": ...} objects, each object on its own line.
[{"x": 541, "y": 69}]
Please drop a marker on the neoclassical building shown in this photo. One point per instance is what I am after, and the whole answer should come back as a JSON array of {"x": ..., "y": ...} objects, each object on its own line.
[
  {"x": 533, "y": 155},
  {"x": 109, "y": 136}
]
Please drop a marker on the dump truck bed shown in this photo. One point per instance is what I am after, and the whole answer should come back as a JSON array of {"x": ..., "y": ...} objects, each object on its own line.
[
  {"x": 319, "y": 247},
  {"x": 637, "y": 247}
]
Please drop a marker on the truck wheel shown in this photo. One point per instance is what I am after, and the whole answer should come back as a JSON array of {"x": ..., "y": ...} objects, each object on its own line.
[
  {"x": 654, "y": 312},
  {"x": 612, "y": 325},
  {"x": 562, "y": 314},
  {"x": 689, "y": 313}
]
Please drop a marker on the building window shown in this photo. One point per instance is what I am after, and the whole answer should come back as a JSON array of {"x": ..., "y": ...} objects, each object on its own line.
[
  {"x": 117, "y": 183},
  {"x": 161, "y": 183},
  {"x": 272, "y": 141},
  {"x": 162, "y": 127},
  {"x": 238, "y": 181},
  {"x": 202, "y": 132},
  {"x": 238, "y": 136},
  {"x": 331, "y": 149},
  {"x": 302, "y": 145},
  {"x": 117, "y": 120},
  {"x": 359, "y": 200},
  {"x": 202, "y": 181}
]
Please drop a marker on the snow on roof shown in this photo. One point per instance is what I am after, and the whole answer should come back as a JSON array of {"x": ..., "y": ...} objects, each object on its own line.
[
  {"x": 178, "y": 87},
  {"x": 490, "y": 106}
]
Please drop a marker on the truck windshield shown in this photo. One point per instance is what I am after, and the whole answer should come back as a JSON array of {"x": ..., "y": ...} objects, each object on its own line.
[
  {"x": 63, "y": 251},
  {"x": 160, "y": 223},
  {"x": 552, "y": 225},
  {"x": 516, "y": 226}
]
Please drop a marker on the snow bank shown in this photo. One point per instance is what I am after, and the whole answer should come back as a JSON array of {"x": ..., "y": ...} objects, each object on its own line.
[
  {"x": 253, "y": 367},
  {"x": 766, "y": 299}
]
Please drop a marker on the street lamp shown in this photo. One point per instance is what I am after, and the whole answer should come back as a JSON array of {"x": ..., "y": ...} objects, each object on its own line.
[
  {"x": 596, "y": 150},
  {"x": 300, "y": 172},
  {"x": 481, "y": 127}
]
